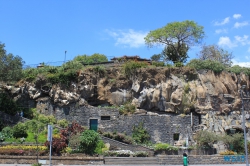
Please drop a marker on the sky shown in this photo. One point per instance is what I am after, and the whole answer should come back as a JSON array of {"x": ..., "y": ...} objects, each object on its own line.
[{"x": 54, "y": 31}]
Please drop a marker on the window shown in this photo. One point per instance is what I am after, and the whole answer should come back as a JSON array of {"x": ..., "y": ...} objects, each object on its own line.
[
  {"x": 176, "y": 136},
  {"x": 105, "y": 117}
]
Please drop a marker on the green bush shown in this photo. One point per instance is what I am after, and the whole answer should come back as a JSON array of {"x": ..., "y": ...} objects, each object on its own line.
[
  {"x": 50, "y": 119},
  {"x": 237, "y": 70},
  {"x": 63, "y": 74},
  {"x": 20, "y": 130},
  {"x": 99, "y": 70},
  {"x": 164, "y": 146},
  {"x": 99, "y": 147},
  {"x": 178, "y": 64},
  {"x": 119, "y": 137},
  {"x": 8, "y": 132},
  {"x": 161, "y": 146},
  {"x": 205, "y": 139},
  {"x": 63, "y": 123},
  {"x": 140, "y": 154},
  {"x": 2, "y": 137},
  {"x": 131, "y": 67},
  {"x": 158, "y": 64},
  {"x": 140, "y": 135},
  {"x": 215, "y": 66},
  {"x": 234, "y": 142},
  {"x": 89, "y": 141},
  {"x": 127, "y": 108}
]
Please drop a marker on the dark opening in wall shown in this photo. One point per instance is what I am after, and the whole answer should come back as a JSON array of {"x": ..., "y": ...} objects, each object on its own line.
[
  {"x": 105, "y": 117},
  {"x": 176, "y": 136},
  {"x": 66, "y": 110}
]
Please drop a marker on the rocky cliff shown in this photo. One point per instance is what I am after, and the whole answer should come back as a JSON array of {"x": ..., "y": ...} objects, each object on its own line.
[{"x": 216, "y": 97}]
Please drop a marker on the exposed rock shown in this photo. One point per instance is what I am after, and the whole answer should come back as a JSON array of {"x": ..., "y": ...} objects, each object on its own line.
[{"x": 215, "y": 97}]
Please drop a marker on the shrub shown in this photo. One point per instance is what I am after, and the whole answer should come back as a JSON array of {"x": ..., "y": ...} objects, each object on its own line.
[
  {"x": 130, "y": 67},
  {"x": 46, "y": 119},
  {"x": 37, "y": 164},
  {"x": 89, "y": 141},
  {"x": 2, "y": 137},
  {"x": 119, "y": 137},
  {"x": 158, "y": 64},
  {"x": 63, "y": 123},
  {"x": 127, "y": 108},
  {"x": 7, "y": 132},
  {"x": 234, "y": 141},
  {"x": 205, "y": 138},
  {"x": 20, "y": 130},
  {"x": 215, "y": 66},
  {"x": 119, "y": 153},
  {"x": 161, "y": 146},
  {"x": 140, "y": 154},
  {"x": 238, "y": 69},
  {"x": 140, "y": 135},
  {"x": 58, "y": 145},
  {"x": 99, "y": 147},
  {"x": 178, "y": 64},
  {"x": 228, "y": 152},
  {"x": 99, "y": 70}
]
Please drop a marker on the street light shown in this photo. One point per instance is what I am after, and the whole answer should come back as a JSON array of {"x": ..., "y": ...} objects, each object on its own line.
[
  {"x": 65, "y": 56},
  {"x": 243, "y": 119}
]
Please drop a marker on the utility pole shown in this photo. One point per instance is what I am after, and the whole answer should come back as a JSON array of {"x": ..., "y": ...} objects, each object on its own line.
[
  {"x": 243, "y": 120},
  {"x": 65, "y": 56}
]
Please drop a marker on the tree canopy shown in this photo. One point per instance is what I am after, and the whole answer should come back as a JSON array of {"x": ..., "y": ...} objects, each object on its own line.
[
  {"x": 170, "y": 54},
  {"x": 156, "y": 57},
  {"x": 175, "y": 36},
  {"x": 94, "y": 58},
  {"x": 10, "y": 65},
  {"x": 215, "y": 53}
]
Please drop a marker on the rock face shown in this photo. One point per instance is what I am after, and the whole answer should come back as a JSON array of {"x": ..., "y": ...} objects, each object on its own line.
[{"x": 214, "y": 97}]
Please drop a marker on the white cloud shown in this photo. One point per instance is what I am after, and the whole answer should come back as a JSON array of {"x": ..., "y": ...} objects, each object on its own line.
[
  {"x": 219, "y": 31},
  {"x": 128, "y": 38},
  {"x": 225, "y": 21},
  {"x": 240, "y": 24},
  {"x": 242, "y": 40},
  {"x": 225, "y": 41},
  {"x": 242, "y": 64},
  {"x": 236, "y": 16}
]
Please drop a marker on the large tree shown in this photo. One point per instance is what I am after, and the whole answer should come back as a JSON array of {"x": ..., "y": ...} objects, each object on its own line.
[
  {"x": 10, "y": 66},
  {"x": 94, "y": 58},
  {"x": 215, "y": 53},
  {"x": 175, "y": 36},
  {"x": 170, "y": 54}
]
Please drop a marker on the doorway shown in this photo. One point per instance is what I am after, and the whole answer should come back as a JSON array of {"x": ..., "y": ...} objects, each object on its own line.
[{"x": 93, "y": 124}]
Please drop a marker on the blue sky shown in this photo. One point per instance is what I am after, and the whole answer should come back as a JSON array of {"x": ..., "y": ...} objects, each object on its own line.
[{"x": 41, "y": 31}]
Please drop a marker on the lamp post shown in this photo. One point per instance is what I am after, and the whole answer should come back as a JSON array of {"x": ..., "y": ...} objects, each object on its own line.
[
  {"x": 65, "y": 56},
  {"x": 243, "y": 120}
]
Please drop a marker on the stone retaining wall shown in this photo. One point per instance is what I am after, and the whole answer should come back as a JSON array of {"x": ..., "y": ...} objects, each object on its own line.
[
  {"x": 158, "y": 160},
  {"x": 161, "y": 127},
  {"x": 55, "y": 160}
]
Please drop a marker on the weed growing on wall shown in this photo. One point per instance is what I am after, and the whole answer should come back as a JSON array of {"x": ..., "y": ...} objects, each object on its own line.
[
  {"x": 127, "y": 108},
  {"x": 140, "y": 134}
]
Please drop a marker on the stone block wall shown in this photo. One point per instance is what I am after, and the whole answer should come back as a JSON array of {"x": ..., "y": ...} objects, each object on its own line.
[{"x": 161, "y": 127}]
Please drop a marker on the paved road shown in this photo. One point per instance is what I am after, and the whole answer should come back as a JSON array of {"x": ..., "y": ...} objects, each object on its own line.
[{"x": 126, "y": 165}]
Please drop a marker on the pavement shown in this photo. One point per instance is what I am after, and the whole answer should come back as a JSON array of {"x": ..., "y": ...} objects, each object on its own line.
[{"x": 126, "y": 165}]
